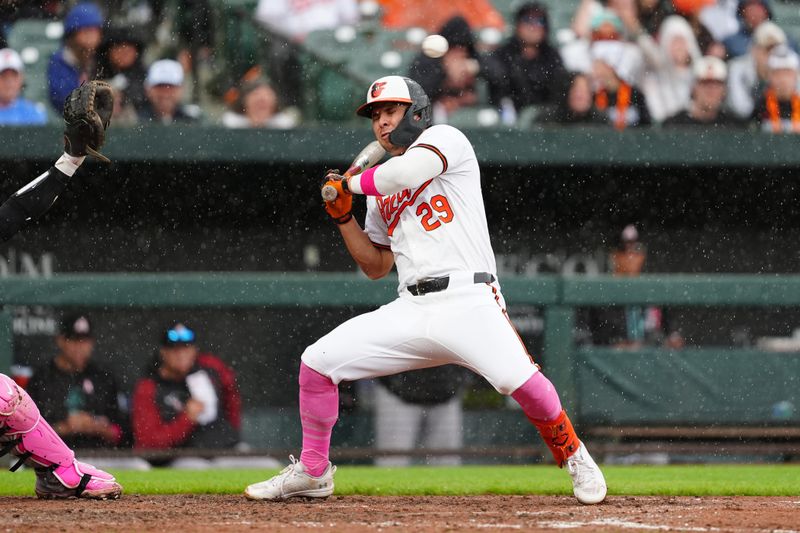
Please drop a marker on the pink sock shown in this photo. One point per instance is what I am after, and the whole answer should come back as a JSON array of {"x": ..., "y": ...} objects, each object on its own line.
[
  {"x": 539, "y": 399},
  {"x": 319, "y": 409}
]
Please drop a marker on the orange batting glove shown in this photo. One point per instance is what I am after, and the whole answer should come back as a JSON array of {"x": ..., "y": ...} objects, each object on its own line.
[{"x": 339, "y": 209}]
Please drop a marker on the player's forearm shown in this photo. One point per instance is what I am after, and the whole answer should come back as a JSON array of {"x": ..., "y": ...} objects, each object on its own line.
[
  {"x": 35, "y": 198},
  {"x": 374, "y": 262},
  {"x": 407, "y": 171}
]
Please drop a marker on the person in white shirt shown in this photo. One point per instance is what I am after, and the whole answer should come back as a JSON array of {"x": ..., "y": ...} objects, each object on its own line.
[{"x": 425, "y": 215}]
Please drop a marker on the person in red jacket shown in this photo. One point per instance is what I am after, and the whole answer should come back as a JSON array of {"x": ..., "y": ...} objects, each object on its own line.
[{"x": 186, "y": 399}]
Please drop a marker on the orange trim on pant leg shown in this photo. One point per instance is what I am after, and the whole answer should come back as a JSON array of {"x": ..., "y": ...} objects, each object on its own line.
[{"x": 560, "y": 437}]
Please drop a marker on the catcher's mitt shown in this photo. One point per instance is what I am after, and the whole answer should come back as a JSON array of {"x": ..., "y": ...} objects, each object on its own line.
[{"x": 87, "y": 114}]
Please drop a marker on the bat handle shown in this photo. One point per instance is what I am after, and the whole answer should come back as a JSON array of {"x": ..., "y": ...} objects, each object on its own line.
[{"x": 329, "y": 193}]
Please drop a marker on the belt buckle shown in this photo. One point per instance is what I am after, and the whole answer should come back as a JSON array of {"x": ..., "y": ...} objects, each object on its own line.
[{"x": 419, "y": 287}]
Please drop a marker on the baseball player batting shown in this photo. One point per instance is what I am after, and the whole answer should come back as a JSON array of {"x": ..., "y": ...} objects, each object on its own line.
[
  {"x": 23, "y": 431},
  {"x": 425, "y": 214}
]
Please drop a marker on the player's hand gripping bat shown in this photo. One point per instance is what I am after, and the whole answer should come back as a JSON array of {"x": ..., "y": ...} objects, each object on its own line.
[{"x": 366, "y": 158}]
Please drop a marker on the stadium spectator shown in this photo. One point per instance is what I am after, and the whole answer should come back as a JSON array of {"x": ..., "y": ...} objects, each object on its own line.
[
  {"x": 596, "y": 21},
  {"x": 592, "y": 22},
  {"x": 119, "y": 61},
  {"x": 164, "y": 90},
  {"x": 292, "y": 21},
  {"x": 748, "y": 74},
  {"x": 633, "y": 326},
  {"x": 15, "y": 110},
  {"x": 433, "y": 14},
  {"x": 667, "y": 80},
  {"x": 576, "y": 106},
  {"x": 186, "y": 398},
  {"x": 750, "y": 15},
  {"x": 74, "y": 62},
  {"x": 76, "y": 394},
  {"x": 295, "y": 20},
  {"x": 691, "y": 9},
  {"x": 450, "y": 81},
  {"x": 255, "y": 105},
  {"x": 651, "y": 13},
  {"x": 615, "y": 67},
  {"x": 708, "y": 98},
  {"x": 194, "y": 25},
  {"x": 778, "y": 109},
  {"x": 720, "y": 19},
  {"x": 420, "y": 410},
  {"x": 526, "y": 69}
]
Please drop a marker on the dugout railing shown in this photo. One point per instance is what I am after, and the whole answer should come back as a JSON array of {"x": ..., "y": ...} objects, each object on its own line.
[{"x": 706, "y": 394}]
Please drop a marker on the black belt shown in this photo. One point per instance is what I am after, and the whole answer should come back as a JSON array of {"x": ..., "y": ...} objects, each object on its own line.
[{"x": 440, "y": 284}]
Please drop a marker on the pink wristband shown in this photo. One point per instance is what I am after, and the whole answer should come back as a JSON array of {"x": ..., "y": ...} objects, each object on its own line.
[{"x": 368, "y": 182}]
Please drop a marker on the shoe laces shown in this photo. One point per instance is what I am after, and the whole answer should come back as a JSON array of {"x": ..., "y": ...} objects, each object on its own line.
[{"x": 579, "y": 469}]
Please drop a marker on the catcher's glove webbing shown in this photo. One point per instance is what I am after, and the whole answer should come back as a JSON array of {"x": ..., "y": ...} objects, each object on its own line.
[{"x": 87, "y": 114}]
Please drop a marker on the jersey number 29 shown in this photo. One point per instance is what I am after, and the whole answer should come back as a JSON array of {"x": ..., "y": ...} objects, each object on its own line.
[{"x": 434, "y": 213}]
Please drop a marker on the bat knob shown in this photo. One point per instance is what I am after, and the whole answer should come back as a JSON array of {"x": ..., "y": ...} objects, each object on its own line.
[{"x": 329, "y": 193}]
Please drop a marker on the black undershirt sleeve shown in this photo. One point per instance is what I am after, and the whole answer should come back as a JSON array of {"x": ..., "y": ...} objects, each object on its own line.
[{"x": 31, "y": 202}]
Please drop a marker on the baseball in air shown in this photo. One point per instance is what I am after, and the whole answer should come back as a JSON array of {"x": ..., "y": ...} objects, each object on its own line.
[{"x": 434, "y": 46}]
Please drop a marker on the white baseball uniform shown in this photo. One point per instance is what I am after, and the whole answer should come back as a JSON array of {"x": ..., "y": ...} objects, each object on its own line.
[{"x": 435, "y": 229}]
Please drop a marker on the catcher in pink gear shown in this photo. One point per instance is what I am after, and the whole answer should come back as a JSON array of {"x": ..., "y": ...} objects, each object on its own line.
[{"x": 23, "y": 431}]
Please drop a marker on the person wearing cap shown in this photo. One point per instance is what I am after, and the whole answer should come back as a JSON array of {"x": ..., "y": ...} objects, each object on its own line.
[
  {"x": 748, "y": 74},
  {"x": 187, "y": 398},
  {"x": 79, "y": 396},
  {"x": 164, "y": 90},
  {"x": 778, "y": 108},
  {"x": 592, "y": 22},
  {"x": 15, "y": 110},
  {"x": 633, "y": 326},
  {"x": 708, "y": 97},
  {"x": 615, "y": 69},
  {"x": 74, "y": 62},
  {"x": 527, "y": 69}
]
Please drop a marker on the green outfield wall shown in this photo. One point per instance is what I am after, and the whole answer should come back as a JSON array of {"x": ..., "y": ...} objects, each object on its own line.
[
  {"x": 697, "y": 385},
  {"x": 592, "y": 146}
]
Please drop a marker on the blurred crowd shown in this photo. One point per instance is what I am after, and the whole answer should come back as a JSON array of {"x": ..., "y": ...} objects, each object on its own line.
[{"x": 620, "y": 63}]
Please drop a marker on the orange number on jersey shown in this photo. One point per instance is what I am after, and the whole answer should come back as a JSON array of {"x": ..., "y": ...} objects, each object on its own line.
[{"x": 441, "y": 206}]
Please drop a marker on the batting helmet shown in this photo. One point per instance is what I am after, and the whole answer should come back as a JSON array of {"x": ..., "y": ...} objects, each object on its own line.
[{"x": 403, "y": 90}]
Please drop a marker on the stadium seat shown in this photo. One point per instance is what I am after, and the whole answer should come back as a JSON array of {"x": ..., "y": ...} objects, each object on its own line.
[
  {"x": 36, "y": 40},
  {"x": 474, "y": 117}
]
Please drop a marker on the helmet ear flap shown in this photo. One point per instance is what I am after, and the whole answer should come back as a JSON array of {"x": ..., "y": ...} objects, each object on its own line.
[{"x": 418, "y": 117}]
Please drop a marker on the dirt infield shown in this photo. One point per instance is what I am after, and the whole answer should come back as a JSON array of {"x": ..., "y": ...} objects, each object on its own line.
[{"x": 418, "y": 514}]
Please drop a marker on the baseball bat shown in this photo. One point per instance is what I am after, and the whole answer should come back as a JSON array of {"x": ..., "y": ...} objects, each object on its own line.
[{"x": 366, "y": 158}]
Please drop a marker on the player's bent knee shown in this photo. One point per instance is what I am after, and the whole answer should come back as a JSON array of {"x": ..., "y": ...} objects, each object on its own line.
[{"x": 506, "y": 385}]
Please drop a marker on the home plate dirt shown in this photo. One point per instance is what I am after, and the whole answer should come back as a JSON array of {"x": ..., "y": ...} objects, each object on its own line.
[{"x": 209, "y": 513}]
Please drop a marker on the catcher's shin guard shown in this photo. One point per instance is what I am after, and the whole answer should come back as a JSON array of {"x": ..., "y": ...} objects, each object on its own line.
[
  {"x": 24, "y": 433},
  {"x": 560, "y": 437},
  {"x": 27, "y": 434}
]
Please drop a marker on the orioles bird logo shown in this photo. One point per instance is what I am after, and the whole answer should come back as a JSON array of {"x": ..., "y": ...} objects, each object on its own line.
[{"x": 377, "y": 89}]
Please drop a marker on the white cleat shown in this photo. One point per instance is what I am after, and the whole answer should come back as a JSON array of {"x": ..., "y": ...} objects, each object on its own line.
[
  {"x": 588, "y": 483},
  {"x": 293, "y": 481}
]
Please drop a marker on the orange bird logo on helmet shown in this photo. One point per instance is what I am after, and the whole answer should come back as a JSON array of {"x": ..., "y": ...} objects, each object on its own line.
[{"x": 377, "y": 89}]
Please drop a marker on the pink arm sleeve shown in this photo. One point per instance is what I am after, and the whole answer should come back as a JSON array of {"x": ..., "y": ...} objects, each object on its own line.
[{"x": 410, "y": 170}]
